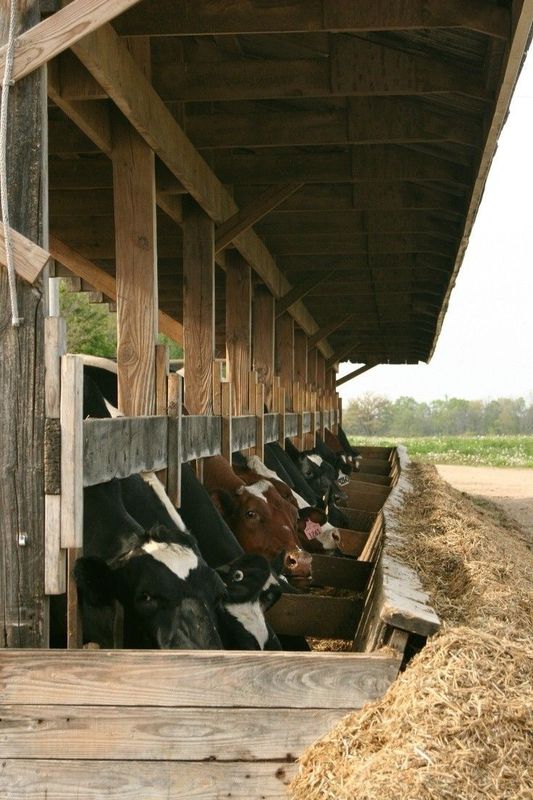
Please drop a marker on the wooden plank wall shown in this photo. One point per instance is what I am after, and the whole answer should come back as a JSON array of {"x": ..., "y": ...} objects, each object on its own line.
[{"x": 68, "y": 726}]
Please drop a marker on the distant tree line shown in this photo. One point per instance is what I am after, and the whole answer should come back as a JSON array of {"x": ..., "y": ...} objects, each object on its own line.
[{"x": 375, "y": 415}]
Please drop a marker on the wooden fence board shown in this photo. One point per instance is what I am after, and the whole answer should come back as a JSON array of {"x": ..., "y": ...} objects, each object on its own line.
[
  {"x": 343, "y": 573},
  {"x": 243, "y": 433},
  {"x": 160, "y": 734},
  {"x": 116, "y": 448},
  {"x": 291, "y": 425},
  {"x": 271, "y": 428},
  {"x": 24, "y": 779},
  {"x": 200, "y": 437},
  {"x": 316, "y": 615},
  {"x": 207, "y": 678}
]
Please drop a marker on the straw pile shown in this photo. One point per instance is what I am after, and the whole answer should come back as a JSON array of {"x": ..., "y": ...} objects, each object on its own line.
[{"x": 458, "y": 723}]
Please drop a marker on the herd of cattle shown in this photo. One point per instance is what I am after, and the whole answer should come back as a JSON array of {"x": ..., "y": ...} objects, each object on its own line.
[{"x": 203, "y": 577}]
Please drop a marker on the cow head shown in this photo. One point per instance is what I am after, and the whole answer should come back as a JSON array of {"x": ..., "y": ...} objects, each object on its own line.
[
  {"x": 168, "y": 594},
  {"x": 264, "y": 523},
  {"x": 252, "y": 577}
]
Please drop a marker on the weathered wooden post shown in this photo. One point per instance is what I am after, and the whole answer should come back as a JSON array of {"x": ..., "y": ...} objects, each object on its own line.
[
  {"x": 263, "y": 339},
  {"x": 23, "y": 607},
  {"x": 238, "y": 328}
]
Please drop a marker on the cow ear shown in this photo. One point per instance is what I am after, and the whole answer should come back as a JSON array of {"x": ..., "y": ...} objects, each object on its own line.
[
  {"x": 223, "y": 502},
  {"x": 95, "y": 581}
]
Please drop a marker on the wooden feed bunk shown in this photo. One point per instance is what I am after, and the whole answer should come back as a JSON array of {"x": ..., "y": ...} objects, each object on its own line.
[{"x": 282, "y": 186}]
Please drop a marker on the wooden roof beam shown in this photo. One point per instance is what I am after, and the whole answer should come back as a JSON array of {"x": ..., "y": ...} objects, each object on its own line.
[
  {"x": 105, "y": 283},
  {"x": 355, "y": 67},
  {"x": 299, "y": 291},
  {"x": 61, "y": 30},
  {"x": 190, "y": 18},
  {"x": 252, "y": 213},
  {"x": 93, "y": 118},
  {"x": 360, "y": 163},
  {"x": 109, "y": 61},
  {"x": 343, "y": 352},
  {"x": 367, "y": 120},
  {"x": 369, "y": 196},
  {"x": 355, "y": 373},
  {"x": 327, "y": 330}
]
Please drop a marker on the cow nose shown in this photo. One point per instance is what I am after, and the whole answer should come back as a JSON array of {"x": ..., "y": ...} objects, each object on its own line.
[{"x": 298, "y": 563}]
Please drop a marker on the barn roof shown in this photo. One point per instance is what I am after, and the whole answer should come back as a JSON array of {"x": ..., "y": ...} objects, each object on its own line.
[{"x": 357, "y": 136}]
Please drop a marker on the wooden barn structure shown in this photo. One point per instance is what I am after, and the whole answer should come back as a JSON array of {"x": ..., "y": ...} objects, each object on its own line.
[{"x": 278, "y": 186}]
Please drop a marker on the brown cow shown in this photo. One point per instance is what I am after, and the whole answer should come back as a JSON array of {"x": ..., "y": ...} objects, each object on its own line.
[{"x": 260, "y": 518}]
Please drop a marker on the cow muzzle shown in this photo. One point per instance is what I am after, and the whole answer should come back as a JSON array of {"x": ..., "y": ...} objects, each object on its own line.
[{"x": 297, "y": 564}]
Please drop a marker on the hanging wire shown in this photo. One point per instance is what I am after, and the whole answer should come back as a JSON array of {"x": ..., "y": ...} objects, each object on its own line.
[{"x": 6, "y": 83}]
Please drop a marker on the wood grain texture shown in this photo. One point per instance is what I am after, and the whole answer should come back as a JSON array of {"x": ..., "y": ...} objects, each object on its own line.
[
  {"x": 200, "y": 437},
  {"x": 198, "y": 308},
  {"x": 116, "y": 448},
  {"x": 343, "y": 573},
  {"x": 244, "y": 432},
  {"x": 263, "y": 339},
  {"x": 263, "y": 680},
  {"x": 71, "y": 451},
  {"x": 136, "y": 268},
  {"x": 238, "y": 328},
  {"x": 131, "y": 780},
  {"x": 284, "y": 353},
  {"x": 317, "y": 616},
  {"x": 29, "y": 259},
  {"x": 60, "y": 31},
  {"x": 191, "y": 19},
  {"x": 161, "y": 734},
  {"x": 23, "y": 605}
]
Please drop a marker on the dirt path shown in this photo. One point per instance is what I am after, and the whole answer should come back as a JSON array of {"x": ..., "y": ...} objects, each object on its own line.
[{"x": 512, "y": 489}]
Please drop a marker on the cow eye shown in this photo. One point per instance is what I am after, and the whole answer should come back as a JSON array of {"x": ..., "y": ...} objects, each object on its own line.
[
  {"x": 251, "y": 514},
  {"x": 238, "y": 575},
  {"x": 146, "y": 599}
]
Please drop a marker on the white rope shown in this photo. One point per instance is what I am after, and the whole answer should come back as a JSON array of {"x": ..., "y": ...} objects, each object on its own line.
[{"x": 6, "y": 83}]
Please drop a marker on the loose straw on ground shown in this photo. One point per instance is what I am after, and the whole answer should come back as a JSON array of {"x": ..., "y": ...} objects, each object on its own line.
[{"x": 458, "y": 723}]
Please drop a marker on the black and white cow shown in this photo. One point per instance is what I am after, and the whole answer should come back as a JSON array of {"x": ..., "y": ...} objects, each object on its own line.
[
  {"x": 137, "y": 551},
  {"x": 253, "y": 586}
]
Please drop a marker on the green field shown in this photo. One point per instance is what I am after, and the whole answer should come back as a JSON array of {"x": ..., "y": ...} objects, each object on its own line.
[{"x": 488, "y": 451}]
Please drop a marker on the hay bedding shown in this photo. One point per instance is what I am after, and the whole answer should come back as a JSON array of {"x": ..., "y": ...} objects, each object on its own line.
[{"x": 458, "y": 723}]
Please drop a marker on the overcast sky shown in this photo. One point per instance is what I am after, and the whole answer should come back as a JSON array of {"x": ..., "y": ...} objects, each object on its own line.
[{"x": 485, "y": 349}]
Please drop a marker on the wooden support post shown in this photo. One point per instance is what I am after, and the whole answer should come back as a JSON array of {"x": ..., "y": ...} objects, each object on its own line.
[
  {"x": 284, "y": 352},
  {"x": 161, "y": 379},
  {"x": 263, "y": 339},
  {"x": 238, "y": 328},
  {"x": 320, "y": 371},
  {"x": 312, "y": 366},
  {"x": 282, "y": 409},
  {"x": 260, "y": 420},
  {"x": 226, "y": 447},
  {"x": 297, "y": 406},
  {"x": 136, "y": 271},
  {"x": 74, "y": 624},
  {"x": 300, "y": 356},
  {"x": 175, "y": 401},
  {"x": 311, "y": 442},
  {"x": 54, "y": 349},
  {"x": 24, "y": 606},
  {"x": 198, "y": 308}
]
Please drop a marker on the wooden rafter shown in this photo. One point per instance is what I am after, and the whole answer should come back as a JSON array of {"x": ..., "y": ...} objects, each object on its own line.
[
  {"x": 246, "y": 217},
  {"x": 299, "y": 291},
  {"x": 344, "y": 351},
  {"x": 327, "y": 330},
  {"x": 108, "y": 60},
  {"x": 60, "y": 31},
  {"x": 367, "y": 120},
  {"x": 190, "y": 18},
  {"x": 355, "y": 373},
  {"x": 364, "y": 163},
  {"x": 105, "y": 283},
  {"x": 355, "y": 67}
]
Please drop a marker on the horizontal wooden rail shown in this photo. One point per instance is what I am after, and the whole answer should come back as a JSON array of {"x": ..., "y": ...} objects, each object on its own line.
[{"x": 116, "y": 448}]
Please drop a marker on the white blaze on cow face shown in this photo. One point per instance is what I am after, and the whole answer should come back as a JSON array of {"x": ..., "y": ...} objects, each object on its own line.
[
  {"x": 251, "y": 618},
  {"x": 179, "y": 559},
  {"x": 258, "y": 489},
  {"x": 153, "y": 481},
  {"x": 329, "y": 536},
  {"x": 315, "y": 459},
  {"x": 256, "y": 465}
]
